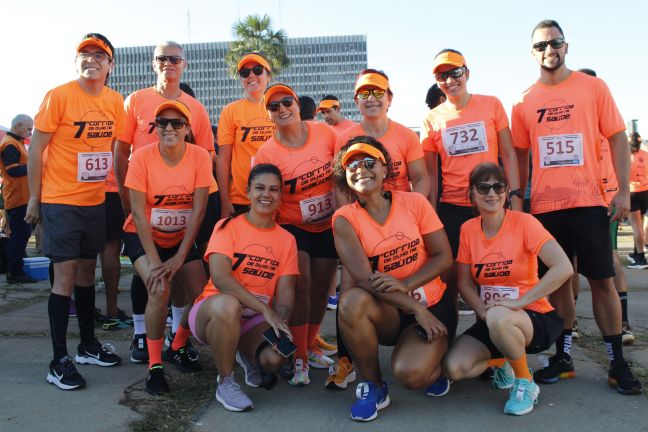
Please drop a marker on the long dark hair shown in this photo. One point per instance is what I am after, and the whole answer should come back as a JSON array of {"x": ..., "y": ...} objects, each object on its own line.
[
  {"x": 256, "y": 171},
  {"x": 635, "y": 142}
]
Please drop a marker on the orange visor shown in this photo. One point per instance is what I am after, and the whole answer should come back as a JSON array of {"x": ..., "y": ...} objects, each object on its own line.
[
  {"x": 362, "y": 148},
  {"x": 176, "y": 105},
  {"x": 253, "y": 58},
  {"x": 328, "y": 104},
  {"x": 278, "y": 88},
  {"x": 95, "y": 42},
  {"x": 372, "y": 79},
  {"x": 448, "y": 58}
]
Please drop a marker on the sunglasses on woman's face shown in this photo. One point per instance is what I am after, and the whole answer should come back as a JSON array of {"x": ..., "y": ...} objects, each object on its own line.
[
  {"x": 162, "y": 123},
  {"x": 287, "y": 102},
  {"x": 245, "y": 72},
  {"x": 368, "y": 162},
  {"x": 484, "y": 188}
]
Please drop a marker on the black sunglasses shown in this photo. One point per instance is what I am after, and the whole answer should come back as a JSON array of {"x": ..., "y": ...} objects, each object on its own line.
[
  {"x": 484, "y": 188},
  {"x": 174, "y": 60},
  {"x": 368, "y": 162},
  {"x": 287, "y": 102},
  {"x": 162, "y": 123},
  {"x": 454, "y": 73},
  {"x": 555, "y": 44},
  {"x": 245, "y": 72}
]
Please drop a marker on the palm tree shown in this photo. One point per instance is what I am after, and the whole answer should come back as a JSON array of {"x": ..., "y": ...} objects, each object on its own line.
[{"x": 255, "y": 33}]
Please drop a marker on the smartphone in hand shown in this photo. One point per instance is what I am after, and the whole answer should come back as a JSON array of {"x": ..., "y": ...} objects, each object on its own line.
[
  {"x": 284, "y": 345},
  {"x": 421, "y": 332}
]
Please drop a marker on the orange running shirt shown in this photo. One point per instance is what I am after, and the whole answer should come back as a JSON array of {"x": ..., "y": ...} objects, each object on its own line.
[
  {"x": 639, "y": 171},
  {"x": 464, "y": 139},
  {"x": 308, "y": 199},
  {"x": 78, "y": 157},
  {"x": 169, "y": 190},
  {"x": 15, "y": 190},
  {"x": 397, "y": 246},
  {"x": 259, "y": 258},
  {"x": 245, "y": 126},
  {"x": 139, "y": 126},
  {"x": 608, "y": 176},
  {"x": 343, "y": 126},
  {"x": 561, "y": 124},
  {"x": 403, "y": 146},
  {"x": 507, "y": 264}
]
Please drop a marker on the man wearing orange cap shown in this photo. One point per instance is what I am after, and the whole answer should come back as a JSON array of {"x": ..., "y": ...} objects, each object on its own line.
[
  {"x": 169, "y": 64},
  {"x": 77, "y": 123},
  {"x": 243, "y": 127},
  {"x": 331, "y": 111},
  {"x": 560, "y": 119}
]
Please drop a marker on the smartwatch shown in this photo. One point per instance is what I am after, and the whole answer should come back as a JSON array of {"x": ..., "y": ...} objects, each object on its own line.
[{"x": 516, "y": 193}]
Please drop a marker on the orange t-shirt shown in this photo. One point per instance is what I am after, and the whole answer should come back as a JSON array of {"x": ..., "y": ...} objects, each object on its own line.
[
  {"x": 246, "y": 127},
  {"x": 308, "y": 199},
  {"x": 464, "y": 139},
  {"x": 608, "y": 176},
  {"x": 507, "y": 264},
  {"x": 169, "y": 190},
  {"x": 403, "y": 146},
  {"x": 139, "y": 126},
  {"x": 15, "y": 190},
  {"x": 79, "y": 154},
  {"x": 561, "y": 124},
  {"x": 343, "y": 125},
  {"x": 639, "y": 171},
  {"x": 397, "y": 246},
  {"x": 259, "y": 258}
]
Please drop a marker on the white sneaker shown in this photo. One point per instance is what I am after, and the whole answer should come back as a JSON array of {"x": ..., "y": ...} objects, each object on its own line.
[{"x": 300, "y": 378}]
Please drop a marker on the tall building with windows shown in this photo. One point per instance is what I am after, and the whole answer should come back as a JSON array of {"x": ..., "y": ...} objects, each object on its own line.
[{"x": 319, "y": 66}]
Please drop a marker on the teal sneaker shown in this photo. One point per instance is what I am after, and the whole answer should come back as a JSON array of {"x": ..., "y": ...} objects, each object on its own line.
[
  {"x": 371, "y": 398},
  {"x": 503, "y": 378},
  {"x": 522, "y": 398}
]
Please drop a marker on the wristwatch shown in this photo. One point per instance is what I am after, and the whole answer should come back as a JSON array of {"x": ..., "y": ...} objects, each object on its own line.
[{"x": 516, "y": 193}]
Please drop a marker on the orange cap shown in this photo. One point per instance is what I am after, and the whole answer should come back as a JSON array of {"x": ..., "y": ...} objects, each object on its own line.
[
  {"x": 95, "y": 42},
  {"x": 278, "y": 88},
  {"x": 448, "y": 58},
  {"x": 372, "y": 79},
  {"x": 176, "y": 105},
  {"x": 362, "y": 148},
  {"x": 328, "y": 104},
  {"x": 253, "y": 58}
]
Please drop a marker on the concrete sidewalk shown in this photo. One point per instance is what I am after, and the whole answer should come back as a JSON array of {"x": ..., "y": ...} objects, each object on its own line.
[{"x": 28, "y": 403}]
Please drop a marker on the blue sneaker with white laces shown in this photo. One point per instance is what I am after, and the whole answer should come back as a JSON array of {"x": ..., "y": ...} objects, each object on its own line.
[
  {"x": 522, "y": 398},
  {"x": 439, "y": 388},
  {"x": 371, "y": 398},
  {"x": 503, "y": 378}
]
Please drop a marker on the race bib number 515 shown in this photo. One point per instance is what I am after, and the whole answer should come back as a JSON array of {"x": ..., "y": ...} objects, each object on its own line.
[{"x": 560, "y": 150}]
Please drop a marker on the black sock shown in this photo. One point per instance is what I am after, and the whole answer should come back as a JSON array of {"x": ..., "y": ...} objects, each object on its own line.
[
  {"x": 564, "y": 343},
  {"x": 84, "y": 299},
  {"x": 50, "y": 272},
  {"x": 342, "y": 349},
  {"x": 614, "y": 348},
  {"x": 58, "y": 308},
  {"x": 139, "y": 295},
  {"x": 624, "y": 306}
]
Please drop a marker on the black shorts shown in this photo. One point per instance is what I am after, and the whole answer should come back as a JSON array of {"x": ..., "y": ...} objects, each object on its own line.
[
  {"x": 212, "y": 215},
  {"x": 114, "y": 216},
  {"x": 583, "y": 232},
  {"x": 71, "y": 232},
  {"x": 134, "y": 249},
  {"x": 444, "y": 310},
  {"x": 546, "y": 329},
  {"x": 315, "y": 244},
  {"x": 639, "y": 201},
  {"x": 452, "y": 217}
]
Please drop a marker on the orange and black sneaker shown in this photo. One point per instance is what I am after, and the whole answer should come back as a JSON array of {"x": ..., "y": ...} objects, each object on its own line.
[
  {"x": 559, "y": 367},
  {"x": 341, "y": 375}
]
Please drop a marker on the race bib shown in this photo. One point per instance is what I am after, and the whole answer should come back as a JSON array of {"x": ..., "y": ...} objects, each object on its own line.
[
  {"x": 419, "y": 295},
  {"x": 491, "y": 293},
  {"x": 317, "y": 208},
  {"x": 170, "y": 220},
  {"x": 93, "y": 166},
  {"x": 560, "y": 150},
  {"x": 465, "y": 139}
]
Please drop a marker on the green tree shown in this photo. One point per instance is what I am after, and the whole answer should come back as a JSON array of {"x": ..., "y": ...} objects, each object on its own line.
[{"x": 255, "y": 33}]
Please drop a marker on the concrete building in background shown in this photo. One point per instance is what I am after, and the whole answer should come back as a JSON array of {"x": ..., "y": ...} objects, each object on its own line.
[{"x": 319, "y": 66}]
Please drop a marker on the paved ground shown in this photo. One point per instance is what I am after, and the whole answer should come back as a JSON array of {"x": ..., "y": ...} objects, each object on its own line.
[{"x": 114, "y": 398}]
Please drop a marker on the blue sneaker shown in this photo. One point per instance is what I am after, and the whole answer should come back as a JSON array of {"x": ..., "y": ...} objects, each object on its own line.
[
  {"x": 439, "y": 388},
  {"x": 333, "y": 302},
  {"x": 503, "y": 378},
  {"x": 371, "y": 398},
  {"x": 522, "y": 398}
]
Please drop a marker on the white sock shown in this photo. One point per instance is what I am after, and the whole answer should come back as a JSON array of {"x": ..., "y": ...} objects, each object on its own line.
[
  {"x": 176, "y": 314},
  {"x": 139, "y": 325}
]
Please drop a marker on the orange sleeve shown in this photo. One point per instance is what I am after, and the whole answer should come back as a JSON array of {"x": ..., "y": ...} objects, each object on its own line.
[
  {"x": 610, "y": 120},
  {"x": 346, "y": 211},
  {"x": 130, "y": 123},
  {"x": 120, "y": 118},
  {"x": 226, "y": 127},
  {"x": 464, "y": 255},
  {"x": 428, "y": 220},
  {"x": 221, "y": 241},
  {"x": 519, "y": 129},
  {"x": 203, "y": 133},
  {"x": 49, "y": 114},
  {"x": 203, "y": 165},
  {"x": 136, "y": 175},
  {"x": 501, "y": 119},
  {"x": 290, "y": 267},
  {"x": 535, "y": 235}
]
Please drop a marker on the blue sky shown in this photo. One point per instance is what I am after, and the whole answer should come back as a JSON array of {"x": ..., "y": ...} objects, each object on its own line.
[{"x": 38, "y": 38}]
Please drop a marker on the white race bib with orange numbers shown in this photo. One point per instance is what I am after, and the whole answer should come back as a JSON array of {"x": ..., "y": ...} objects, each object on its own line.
[
  {"x": 93, "y": 166},
  {"x": 419, "y": 295},
  {"x": 317, "y": 208},
  {"x": 490, "y": 293},
  {"x": 560, "y": 150},
  {"x": 170, "y": 220},
  {"x": 465, "y": 139}
]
